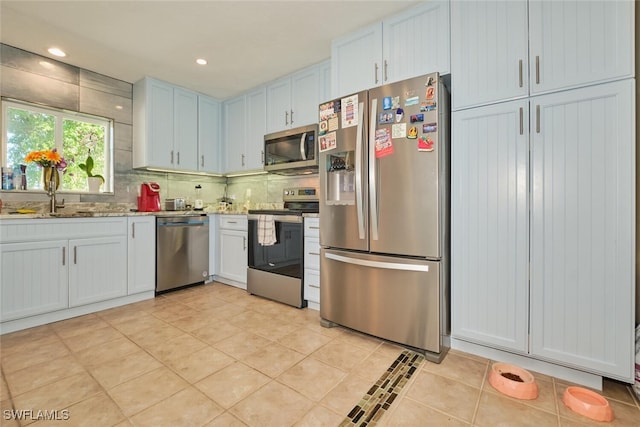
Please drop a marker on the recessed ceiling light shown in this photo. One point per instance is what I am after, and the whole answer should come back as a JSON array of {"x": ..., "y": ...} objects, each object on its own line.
[
  {"x": 57, "y": 52},
  {"x": 201, "y": 61}
]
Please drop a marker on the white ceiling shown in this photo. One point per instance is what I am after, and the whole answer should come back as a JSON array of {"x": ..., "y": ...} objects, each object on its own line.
[{"x": 246, "y": 42}]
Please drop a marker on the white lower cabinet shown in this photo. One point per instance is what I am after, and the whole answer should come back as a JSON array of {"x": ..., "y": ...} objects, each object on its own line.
[
  {"x": 232, "y": 250},
  {"x": 543, "y": 220},
  {"x": 54, "y": 269},
  {"x": 312, "y": 262},
  {"x": 141, "y": 247},
  {"x": 97, "y": 269}
]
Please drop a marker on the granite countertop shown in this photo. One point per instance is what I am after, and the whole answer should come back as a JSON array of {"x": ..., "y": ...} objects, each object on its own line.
[{"x": 97, "y": 214}]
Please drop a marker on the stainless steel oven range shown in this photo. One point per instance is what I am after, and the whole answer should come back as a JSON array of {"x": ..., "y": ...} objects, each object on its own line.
[{"x": 276, "y": 248}]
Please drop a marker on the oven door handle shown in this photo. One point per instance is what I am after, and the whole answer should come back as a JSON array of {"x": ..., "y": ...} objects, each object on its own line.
[{"x": 278, "y": 218}]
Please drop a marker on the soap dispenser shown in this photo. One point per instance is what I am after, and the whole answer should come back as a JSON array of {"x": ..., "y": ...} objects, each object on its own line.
[{"x": 197, "y": 204}]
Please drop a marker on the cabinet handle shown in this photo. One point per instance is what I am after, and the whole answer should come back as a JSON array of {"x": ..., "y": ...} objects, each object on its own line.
[
  {"x": 314, "y": 253},
  {"x": 75, "y": 254},
  {"x": 286, "y": 118},
  {"x": 232, "y": 222},
  {"x": 313, "y": 227},
  {"x": 178, "y": 157},
  {"x": 171, "y": 156},
  {"x": 243, "y": 160},
  {"x": 64, "y": 256},
  {"x": 262, "y": 156},
  {"x": 537, "y": 70},
  {"x": 133, "y": 230},
  {"x": 520, "y": 71},
  {"x": 291, "y": 116},
  {"x": 521, "y": 121},
  {"x": 375, "y": 72},
  {"x": 386, "y": 77},
  {"x": 244, "y": 243},
  {"x": 202, "y": 160},
  {"x": 537, "y": 118}
]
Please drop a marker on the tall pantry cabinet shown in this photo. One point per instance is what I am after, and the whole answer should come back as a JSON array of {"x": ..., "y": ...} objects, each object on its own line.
[{"x": 543, "y": 182}]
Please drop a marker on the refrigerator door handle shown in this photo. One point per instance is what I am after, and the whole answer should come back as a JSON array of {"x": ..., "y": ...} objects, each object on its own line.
[
  {"x": 373, "y": 190},
  {"x": 359, "y": 198},
  {"x": 377, "y": 264},
  {"x": 303, "y": 154}
]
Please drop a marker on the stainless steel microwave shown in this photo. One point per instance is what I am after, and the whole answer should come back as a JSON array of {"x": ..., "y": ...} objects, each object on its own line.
[{"x": 293, "y": 151}]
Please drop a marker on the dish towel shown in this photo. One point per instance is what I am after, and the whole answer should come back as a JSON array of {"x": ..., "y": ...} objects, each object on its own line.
[{"x": 266, "y": 230}]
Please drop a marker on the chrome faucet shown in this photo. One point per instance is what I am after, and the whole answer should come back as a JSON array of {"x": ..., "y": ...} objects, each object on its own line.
[{"x": 53, "y": 204}]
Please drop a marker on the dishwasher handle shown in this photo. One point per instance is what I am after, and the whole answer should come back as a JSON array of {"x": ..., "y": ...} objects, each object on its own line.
[{"x": 181, "y": 222}]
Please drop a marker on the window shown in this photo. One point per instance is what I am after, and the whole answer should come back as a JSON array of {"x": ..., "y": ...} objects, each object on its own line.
[{"x": 29, "y": 127}]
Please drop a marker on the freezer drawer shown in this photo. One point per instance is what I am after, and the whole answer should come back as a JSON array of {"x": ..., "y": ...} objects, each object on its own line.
[{"x": 394, "y": 298}]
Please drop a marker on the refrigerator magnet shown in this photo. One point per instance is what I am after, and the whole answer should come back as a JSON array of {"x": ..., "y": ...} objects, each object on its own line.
[
  {"x": 399, "y": 130},
  {"x": 323, "y": 126},
  {"x": 326, "y": 111},
  {"x": 425, "y": 143},
  {"x": 386, "y": 103},
  {"x": 349, "y": 111},
  {"x": 428, "y": 106},
  {"x": 414, "y": 100},
  {"x": 431, "y": 92},
  {"x": 430, "y": 127},
  {"x": 385, "y": 118},
  {"x": 327, "y": 142},
  {"x": 384, "y": 144},
  {"x": 430, "y": 81},
  {"x": 333, "y": 124},
  {"x": 413, "y": 132},
  {"x": 395, "y": 102},
  {"x": 416, "y": 118},
  {"x": 399, "y": 115}
]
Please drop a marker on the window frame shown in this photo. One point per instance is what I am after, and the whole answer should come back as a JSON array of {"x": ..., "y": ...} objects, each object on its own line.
[{"x": 60, "y": 115}]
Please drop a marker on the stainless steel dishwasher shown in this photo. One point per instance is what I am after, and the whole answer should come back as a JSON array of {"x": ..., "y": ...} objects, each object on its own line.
[{"x": 182, "y": 251}]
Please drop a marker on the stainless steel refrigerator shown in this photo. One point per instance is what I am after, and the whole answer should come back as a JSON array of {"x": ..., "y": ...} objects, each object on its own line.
[{"x": 384, "y": 213}]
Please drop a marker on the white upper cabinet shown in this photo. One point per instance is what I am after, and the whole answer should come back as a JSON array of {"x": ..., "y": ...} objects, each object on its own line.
[
  {"x": 234, "y": 117},
  {"x": 185, "y": 138},
  {"x": 208, "y": 134},
  {"x": 503, "y": 50},
  {"x": 572, "y": 43},
  {"x": 405, "y": 45},
  {"x": 256, "y": 123},
  {"x": 293, "y": 101},
  {"x": 489, "y": 59},
  {"x": 416, "y": 42},
  {"x": 152, "y": 121}
]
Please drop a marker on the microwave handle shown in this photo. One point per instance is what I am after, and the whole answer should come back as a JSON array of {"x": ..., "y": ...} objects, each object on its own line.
[{"x": 303, "y": 153}]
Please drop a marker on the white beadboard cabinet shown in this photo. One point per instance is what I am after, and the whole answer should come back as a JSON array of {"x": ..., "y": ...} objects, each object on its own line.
[
  {"x": 543, "y": 226},
  {"x": 583, "y": 228},
  {"x": 98, "y": 268},
  {"x": 232, "y": 250},
  {"x": 208, "y": 134},
  {"x": 141, "y": 243},
  {"x": 490, "y": 225},
  {"x": 244, "y": 120},
  {"x": 503, "y": 50},
  {"x": 408, "y": 44},
  {"x": 293, "y": 100},
  {"x": 34, "y": 278},
  {"x": 234, "y": 113},
  {"x": 184, "y": 155},
  {"x": 256, "y": 123}
]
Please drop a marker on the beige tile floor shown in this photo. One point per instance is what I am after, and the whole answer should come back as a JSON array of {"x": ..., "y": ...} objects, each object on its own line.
[{"x": 213, "y": 355}]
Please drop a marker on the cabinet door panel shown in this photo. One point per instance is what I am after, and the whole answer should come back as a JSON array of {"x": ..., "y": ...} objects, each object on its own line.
[
  {"x": 33, "y": 278},
  {"x": 489, "y": 47},
  {"x": 97, "y": 269},
  {"x": 356, "y": 61},
  {"x": 208, "y": 135},
  {"x": 185, "y": 142},
  {"x": 305, "y": 97},
  {"x": 411, "y": 48},
  {"x": 279, "y": 102},
  {"x": 142, "y": 257},
  {"x": 233, "y": 255},
  {"x": 573, "y": 43},
  {"x": 161, "y": 125},
  {"x": 256, "y": 128},
  {"x": 234, "y": 134},
  {"x": 489, "y": 225},
  {"x": 583, "y": 220}
]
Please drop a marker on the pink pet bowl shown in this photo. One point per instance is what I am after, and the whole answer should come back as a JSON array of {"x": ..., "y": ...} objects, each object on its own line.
[
  {"x": 513, "y": 381},
  {"x": 587, "y": 403}
]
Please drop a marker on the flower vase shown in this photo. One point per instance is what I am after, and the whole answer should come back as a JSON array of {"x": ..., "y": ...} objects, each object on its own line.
[
  {"x": 50, "y": 174},
  {"x": 94, "y": 184}
]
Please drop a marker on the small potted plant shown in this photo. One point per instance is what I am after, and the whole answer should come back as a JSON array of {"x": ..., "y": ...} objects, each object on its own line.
[{"x": 93, "y": 180}]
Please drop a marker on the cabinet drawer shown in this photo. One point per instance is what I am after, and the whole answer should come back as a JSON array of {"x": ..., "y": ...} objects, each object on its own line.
[
  {"x": 312, "y": 227},
  {"x": 312, "y": 285},
  {"x": 233, "y": 222},
  {"x": 312, "y": 253}
]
